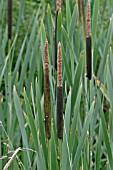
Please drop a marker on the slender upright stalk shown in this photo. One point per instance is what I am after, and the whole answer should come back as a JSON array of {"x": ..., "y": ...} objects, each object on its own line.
[
  {"x": 47, "y": 100},
  {"x": 58, "y": 7},
  {"x": 59, "y": 94},
  {"x": 79, "y": 9},
  {"x": 9, "y": 19},
  {"x": 88, "y": 44},
  {"x": 83, "y": 15}
]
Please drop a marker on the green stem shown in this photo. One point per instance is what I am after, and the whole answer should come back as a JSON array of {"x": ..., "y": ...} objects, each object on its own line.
[{"x": 89, "y": 128}]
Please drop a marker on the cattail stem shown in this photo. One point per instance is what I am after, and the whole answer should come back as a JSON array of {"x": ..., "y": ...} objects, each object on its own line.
[
  {"x": 47, "y": 100},
  {"x": 59, "y": 95},
  {"x": 9, "y": 19},
  {"x": 83, "y": 16},
  {"x": 89, "y": 44}
]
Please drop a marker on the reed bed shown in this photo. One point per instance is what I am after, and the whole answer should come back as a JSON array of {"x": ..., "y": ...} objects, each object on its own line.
[{"x": 56, "y": 85}]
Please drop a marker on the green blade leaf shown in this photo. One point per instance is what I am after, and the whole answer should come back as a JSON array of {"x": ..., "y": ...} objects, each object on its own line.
[
  {"x": 83, "y": 136},
  {"x": 21, "y": 121}
]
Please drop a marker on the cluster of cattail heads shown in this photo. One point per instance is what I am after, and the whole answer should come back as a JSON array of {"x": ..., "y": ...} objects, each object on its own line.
[
  {"x": 58, "y": 66},
  {"x": 47, "y": 101}
]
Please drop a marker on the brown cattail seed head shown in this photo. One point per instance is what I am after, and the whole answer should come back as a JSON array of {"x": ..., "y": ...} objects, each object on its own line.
[
  {"x": 88, "y": 20},
  {"x": 88, "y": 44},
  {"x": 47, "y": 99},
  {"x": 9, "y": 19},
  {"x": 58, "y": 5},
  {"x": 59, "y": 65},
  {"x": 46, "y": 61},
  {"x": 60, "y": 112}
]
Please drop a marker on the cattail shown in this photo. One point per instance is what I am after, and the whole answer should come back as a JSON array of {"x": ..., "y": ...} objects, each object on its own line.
[
  {"x": 59, "y": 94},
  {"x": 9, "y": 19},
  {"x": 88, "y": 44},
  {"x": 47, "y": 100},
  {"x": 58, "y": 7}
]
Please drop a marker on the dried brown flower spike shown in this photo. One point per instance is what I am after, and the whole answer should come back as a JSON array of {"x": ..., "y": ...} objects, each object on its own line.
[
  {"x": 9, "y": 19},
  {"x": 88, "y": 44},
  {"x": 47, "y": 100},
  {"x": 59, "y": 94}
]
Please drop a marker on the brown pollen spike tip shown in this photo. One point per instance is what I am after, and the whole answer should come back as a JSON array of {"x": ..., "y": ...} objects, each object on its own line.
[
  {"x": 58, "y": 8},
  {"x": 47, "y": 99},
  {"x": 46, "y": 61},
  {"x": 58, "y": 5},
  {"x": 88, "y": 44},
  {"x": 59, "y": 65},
  {"x": 88, "y": 21}
]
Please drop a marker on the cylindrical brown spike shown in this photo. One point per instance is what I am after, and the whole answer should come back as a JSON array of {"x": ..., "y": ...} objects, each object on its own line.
[
  {"x": 60, "y": 112},
  {"x": 47, "y": 100},
  {"x": 9, "y": 19},
  {"x": 89, "y": 57},
  {"x": 59, "y": 94},
  {"x": 89, "y": 44}
]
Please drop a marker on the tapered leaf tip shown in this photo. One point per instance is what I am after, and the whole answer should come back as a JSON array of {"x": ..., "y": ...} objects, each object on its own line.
[{"x": 14, "y": 88}]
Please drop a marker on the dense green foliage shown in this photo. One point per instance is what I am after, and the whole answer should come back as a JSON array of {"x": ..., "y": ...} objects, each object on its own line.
[{"x": 88, "y": 105}]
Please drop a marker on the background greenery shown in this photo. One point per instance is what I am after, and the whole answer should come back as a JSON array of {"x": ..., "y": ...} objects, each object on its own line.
[{"x": 88, "y": 106}]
